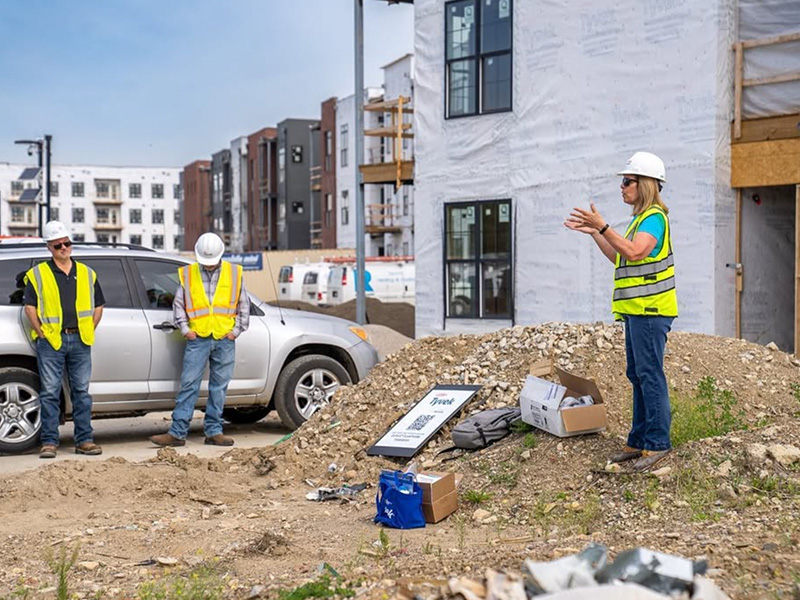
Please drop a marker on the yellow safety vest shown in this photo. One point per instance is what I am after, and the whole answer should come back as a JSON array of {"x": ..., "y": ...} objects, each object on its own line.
[
  {"x": 647, "y": 286},
  {"x": 48, "y": 307},
  {"x": 218, "y": 317}
]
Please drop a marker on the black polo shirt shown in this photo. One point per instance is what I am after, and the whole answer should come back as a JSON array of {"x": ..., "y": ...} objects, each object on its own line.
[{"x": 67, "y": 291}]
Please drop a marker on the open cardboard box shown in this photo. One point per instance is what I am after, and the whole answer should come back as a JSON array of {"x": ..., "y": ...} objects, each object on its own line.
[
  {"x": 540, "y": 401},
  {"x": 439, "y": 494}
]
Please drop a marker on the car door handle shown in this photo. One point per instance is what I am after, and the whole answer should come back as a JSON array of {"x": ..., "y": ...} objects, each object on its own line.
[{"x": 165, "y": 326}]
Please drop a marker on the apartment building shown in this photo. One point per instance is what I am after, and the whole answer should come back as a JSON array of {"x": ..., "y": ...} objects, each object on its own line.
[
  {"x": 138, "y": 205},
  {"x": 294, "y": 185},
  {"x": 221, "y": 220},
  {"x": 388, "y": 168},
  {"x": 195, "y": 209},
  {"x": 329, "y": 163},
  {"x": 262, "y": 190}
]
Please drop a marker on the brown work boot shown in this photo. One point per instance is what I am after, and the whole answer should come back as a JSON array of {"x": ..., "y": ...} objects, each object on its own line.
[
  {"x": 89, "y": 448},
  {"x": 219, "y": 440},
  {"x": 626, "y": 454},
  {"x": 649, "y": 460},
  {"x": 48, "y": 451},
  {"x": 167, "y": 439}
]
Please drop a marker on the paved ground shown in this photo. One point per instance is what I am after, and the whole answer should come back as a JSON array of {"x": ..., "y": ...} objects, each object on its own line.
[{"x": 127, "y": 438}]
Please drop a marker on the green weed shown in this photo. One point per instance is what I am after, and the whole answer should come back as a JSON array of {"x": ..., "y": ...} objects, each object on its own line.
[
  {"x": 477, "y": 496},
  {"x": 520, "y": 426},
  {"x": 386, "y": 545},
  {"x": 61, "y": 564},
  {"x": 698, "y": 491},
  {"x": 506, "y": 474},
  {"x": 774, "y": 487},
  {"x": 796, "y": 391},
  {"x": 628, "y": 495},
  {"x": 461, "y": 530},
  {"x": 202, "y": 583},
  {"x": 325, "y": 586},
  {"x": 709, "y": 412},
  {"x": 529, "y": 441}
]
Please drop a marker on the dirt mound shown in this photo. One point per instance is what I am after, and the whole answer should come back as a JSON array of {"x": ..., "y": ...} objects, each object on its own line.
[
  {"x": 760, "y": 378},
  {"x": 733, "y": 499},
  {"x": 396, "y": 315}
]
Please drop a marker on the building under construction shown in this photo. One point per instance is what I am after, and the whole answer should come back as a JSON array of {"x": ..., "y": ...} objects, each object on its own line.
[{"x": 524, "y": 110}]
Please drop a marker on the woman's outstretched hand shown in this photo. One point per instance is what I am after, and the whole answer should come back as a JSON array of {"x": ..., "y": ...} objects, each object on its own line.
[{"x": 585, "y": 221}]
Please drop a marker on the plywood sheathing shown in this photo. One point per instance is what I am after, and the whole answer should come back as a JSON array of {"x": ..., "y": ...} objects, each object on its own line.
[{"x": 773, "y": 162}]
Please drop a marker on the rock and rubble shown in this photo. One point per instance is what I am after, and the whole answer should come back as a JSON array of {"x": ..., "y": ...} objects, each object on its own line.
[{"x": 731, "y": 500}]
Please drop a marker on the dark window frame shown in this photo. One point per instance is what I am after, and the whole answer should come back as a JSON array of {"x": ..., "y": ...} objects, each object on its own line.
[
  {"x": 478, "y": 260},
  {"x": 157, "y": 191},
  {"x": 78, "y": 190},
  {"x": 134, "y": 190},
  {"x": 478, "y": 58}
]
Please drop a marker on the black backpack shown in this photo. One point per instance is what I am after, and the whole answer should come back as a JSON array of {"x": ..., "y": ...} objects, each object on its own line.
[{"x": 484, "y": 428}]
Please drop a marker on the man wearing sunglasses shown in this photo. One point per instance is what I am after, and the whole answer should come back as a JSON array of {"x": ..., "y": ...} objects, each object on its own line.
[{"x": 64, "y": 303}]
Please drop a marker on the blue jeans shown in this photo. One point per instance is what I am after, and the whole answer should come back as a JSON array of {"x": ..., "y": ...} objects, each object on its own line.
[
  {"x": 645, "y": 339},
  {"x": 76, "y": 358},
  {"x": 220, "y": 355}
]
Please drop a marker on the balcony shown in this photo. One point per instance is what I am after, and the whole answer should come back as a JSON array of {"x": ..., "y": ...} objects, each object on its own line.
[
  {"x": 107, "y": 226},
  {"x": 316, "y": 178},
  {"x": 380, "y": 219},
  {"x": 26, "y": 225},
  {"x": 389, "y": 172},
  {"x": 111, "y": 199}
]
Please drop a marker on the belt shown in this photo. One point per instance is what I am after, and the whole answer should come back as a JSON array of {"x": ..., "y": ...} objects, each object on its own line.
[{"x": 70, "y": 330}]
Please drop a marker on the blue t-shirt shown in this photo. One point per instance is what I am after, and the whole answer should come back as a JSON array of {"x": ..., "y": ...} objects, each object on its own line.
[{"x": 655, "y": 225}]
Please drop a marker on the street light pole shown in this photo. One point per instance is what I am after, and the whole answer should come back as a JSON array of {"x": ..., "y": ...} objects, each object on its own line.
[
  {"x": 361, "y": 312},
  {"x": 48, "y": 155}
]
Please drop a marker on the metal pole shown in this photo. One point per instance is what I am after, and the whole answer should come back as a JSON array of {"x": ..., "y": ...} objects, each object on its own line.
[
  {"x": 361, "y": 312},
  {"x": 48, "y": 147},
  {"x": 39, "y": 211}
]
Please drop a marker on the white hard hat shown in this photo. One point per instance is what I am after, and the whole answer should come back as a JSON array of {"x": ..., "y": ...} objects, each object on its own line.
[
  {"x": 55, "y": 230},
  {"x": 209, "y": 249},
  {"x": 645, "y": 164}
]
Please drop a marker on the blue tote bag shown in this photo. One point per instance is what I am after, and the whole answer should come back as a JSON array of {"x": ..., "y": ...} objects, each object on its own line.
[{"x": 399, "y": 501}]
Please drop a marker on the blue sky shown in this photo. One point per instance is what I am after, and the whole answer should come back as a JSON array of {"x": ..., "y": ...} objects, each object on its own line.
[{"x": 165, "y": 82}]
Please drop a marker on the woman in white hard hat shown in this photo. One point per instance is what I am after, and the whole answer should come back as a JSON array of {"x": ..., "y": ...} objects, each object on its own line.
[{"x": 644, "y": 298}]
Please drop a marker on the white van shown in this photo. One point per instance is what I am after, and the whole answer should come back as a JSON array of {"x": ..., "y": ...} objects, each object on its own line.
[
  {"x": 315, "y": 284},
  {"x": 290, "y": 280},
  {"x": 387, "y": 281}
]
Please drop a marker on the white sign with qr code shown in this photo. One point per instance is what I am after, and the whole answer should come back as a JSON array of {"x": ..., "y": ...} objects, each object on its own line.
[{"x": 410, "y": 434}]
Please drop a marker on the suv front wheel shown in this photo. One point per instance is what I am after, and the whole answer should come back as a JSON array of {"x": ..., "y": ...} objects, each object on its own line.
[
  {"x": 20, "y": 410},
  {"x": 305, "y": 385}
]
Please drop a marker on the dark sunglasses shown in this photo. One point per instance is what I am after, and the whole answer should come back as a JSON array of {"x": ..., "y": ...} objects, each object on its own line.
[
  {"x": 58, "y": 246},
  {"x": 626, "y": 181}
]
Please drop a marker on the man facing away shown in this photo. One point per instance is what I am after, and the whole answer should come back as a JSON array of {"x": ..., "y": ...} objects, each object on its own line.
[
  {"x": 64, "y": 303},
  {"x": 212, "y": 309}
]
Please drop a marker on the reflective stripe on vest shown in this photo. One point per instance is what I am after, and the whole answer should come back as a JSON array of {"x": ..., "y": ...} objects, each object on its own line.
[
  {"x": 647, "y": 286},
  {"x": 218, "y": 316},
  {"x": 48, "y": 307}
]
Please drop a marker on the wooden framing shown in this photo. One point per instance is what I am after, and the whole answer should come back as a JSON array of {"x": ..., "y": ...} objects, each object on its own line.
[
  {"x": 772, "y": 162},
  {"x": 797, "y": 270},
  {"x": 784, "y": 127},
  {"x": 739, "y": 82},
  {"x": 387, "y": 172}
]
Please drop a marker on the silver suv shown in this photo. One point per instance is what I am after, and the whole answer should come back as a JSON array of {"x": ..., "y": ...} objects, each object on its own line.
[{"x": 288, "y": 360}]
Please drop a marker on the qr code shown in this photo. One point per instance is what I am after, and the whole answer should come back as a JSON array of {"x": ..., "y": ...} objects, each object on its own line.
[{"x": 420, "y": 422}]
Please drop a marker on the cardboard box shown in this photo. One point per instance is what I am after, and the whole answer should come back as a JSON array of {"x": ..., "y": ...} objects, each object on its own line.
[
  {"x": 439, "y": 494},
  {"x": 541, "y": 403}
]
